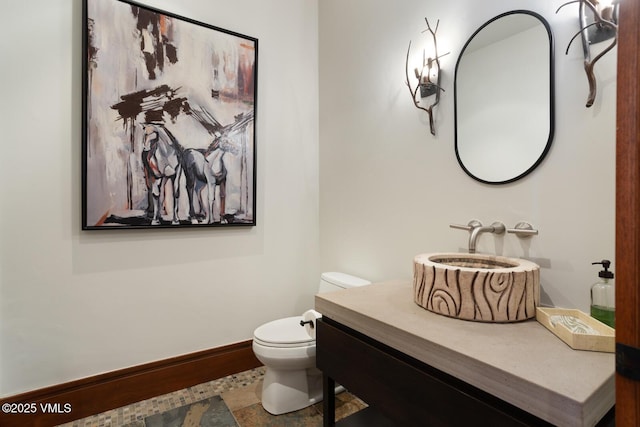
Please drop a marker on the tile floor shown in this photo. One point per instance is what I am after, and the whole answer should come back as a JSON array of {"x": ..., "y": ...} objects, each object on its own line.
[{"x": 233, "y": 401}]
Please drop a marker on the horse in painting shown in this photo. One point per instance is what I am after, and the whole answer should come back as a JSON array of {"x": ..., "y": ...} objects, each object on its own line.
[
  {"x": 162, "y": 161},
  {"x": 206, "y": 169},
  {"x": 199, "y": 176}
]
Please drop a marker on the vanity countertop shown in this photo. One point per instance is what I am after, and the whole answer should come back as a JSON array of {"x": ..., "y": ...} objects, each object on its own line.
[{"x": 521, "y": 363}]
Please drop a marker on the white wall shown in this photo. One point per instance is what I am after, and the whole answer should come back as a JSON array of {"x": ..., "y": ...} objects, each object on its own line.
[
  {"x": 389, "y": 190},
  {"x": 74, "y": 303}
]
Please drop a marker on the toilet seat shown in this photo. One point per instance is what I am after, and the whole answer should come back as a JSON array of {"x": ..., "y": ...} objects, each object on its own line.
[{"x": 283, "y": 333}]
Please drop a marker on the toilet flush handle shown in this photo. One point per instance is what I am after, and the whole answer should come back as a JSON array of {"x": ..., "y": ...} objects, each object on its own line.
[{"x": 305, "y": 322}]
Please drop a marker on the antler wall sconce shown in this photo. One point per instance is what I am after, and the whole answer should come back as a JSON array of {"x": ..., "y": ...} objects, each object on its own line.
[
  {"x": 428, "y": 78},
  {"x": 603, "y": 25}
]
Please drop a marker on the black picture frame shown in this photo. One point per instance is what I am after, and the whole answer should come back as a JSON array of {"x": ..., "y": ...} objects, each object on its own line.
[{"x": 168, "y": 125}]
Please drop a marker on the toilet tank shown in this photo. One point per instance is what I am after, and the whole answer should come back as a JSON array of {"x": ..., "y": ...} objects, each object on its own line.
[{"x": 334, "y": 281}]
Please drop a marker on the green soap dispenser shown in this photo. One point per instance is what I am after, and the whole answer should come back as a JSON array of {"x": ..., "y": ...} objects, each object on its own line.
[{"x": 603, "y": 296}]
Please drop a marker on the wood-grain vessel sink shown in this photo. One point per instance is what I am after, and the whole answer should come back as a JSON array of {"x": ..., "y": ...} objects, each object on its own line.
[{"x": 483, "y": 288}]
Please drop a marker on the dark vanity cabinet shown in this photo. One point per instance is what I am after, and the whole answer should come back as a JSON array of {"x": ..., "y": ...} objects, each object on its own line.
[{"x": 403, "y": 391}]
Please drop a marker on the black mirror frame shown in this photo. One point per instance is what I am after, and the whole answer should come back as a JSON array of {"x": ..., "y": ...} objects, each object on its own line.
[{"x": 551, "y": 96}]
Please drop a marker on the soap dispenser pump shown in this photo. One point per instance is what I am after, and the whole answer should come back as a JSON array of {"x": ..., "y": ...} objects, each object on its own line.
[{"x": 603, "y": 297}]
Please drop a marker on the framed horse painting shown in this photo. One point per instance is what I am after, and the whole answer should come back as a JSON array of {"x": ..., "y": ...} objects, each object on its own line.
[{"x": 169, "y": 111}]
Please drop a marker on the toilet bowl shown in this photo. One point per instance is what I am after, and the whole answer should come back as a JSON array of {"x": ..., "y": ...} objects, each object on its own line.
[
  {"x": 291, "y": 380},
  {"x": 288, "y": 352}
]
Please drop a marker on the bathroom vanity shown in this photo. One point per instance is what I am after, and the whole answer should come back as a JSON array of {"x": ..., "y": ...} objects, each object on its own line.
[{"x": 414, "y": 367}]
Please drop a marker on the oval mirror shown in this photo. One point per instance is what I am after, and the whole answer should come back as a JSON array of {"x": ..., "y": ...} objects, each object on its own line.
[{"x": 504, "y": 114}]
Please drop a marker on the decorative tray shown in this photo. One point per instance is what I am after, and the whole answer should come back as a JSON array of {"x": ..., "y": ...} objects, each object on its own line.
[{"x": 576, "y": 328}]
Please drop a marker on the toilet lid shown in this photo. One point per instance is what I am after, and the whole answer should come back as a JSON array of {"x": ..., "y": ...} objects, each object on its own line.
[{"x": 283, "y": 331}]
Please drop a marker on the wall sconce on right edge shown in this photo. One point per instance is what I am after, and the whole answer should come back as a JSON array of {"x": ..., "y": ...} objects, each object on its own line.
[{"x": 598, "y": 23}]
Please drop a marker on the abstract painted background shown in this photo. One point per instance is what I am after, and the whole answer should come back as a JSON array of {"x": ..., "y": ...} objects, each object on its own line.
[{"x": 170, "y": 120}]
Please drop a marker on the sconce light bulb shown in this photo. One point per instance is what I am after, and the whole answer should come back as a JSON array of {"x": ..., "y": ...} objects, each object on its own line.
[{"x": 605, "y": 8}]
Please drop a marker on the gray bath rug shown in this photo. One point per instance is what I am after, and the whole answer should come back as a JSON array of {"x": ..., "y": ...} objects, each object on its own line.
[{"x": 211, "y": 412}]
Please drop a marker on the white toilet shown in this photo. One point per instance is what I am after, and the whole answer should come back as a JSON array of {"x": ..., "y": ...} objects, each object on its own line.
[{"x": 288, "y": 352}]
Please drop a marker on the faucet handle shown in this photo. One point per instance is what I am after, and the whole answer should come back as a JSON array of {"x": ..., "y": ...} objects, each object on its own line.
[
  {"x": 474, "y": 223},
  {"x": 523, "y": 229}
]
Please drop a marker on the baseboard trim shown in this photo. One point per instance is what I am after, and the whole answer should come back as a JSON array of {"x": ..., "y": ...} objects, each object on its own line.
[{"x": 89, "y": 396}]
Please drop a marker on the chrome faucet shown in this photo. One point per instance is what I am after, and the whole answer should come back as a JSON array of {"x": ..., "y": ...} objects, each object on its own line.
[
  {"x": 475, "y": 228},
  {"x": 495, "y": 228}
]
